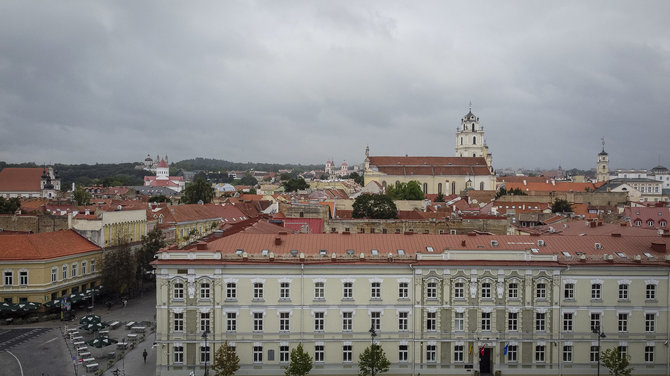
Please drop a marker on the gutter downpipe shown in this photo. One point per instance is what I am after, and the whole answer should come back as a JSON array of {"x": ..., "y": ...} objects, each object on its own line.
[{"x": 667, "y": 327}]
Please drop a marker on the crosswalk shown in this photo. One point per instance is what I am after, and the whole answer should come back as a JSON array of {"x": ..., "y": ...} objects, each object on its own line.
[{"x": 12, "y": 337}]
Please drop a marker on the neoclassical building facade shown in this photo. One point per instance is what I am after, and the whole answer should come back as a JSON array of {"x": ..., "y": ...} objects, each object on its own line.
[{"x": 438, "y": 303}]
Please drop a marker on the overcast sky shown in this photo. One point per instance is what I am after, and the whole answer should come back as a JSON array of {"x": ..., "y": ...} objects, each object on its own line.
[{"x": 308, "y": 81}]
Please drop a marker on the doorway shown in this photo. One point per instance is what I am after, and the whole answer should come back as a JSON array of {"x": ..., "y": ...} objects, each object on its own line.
[{"x": 485, "y": 362}]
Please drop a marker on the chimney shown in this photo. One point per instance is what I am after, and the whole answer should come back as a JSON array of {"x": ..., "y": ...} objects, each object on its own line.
[
  {"x": 658, "y": 247},
  {"x": 277, "y": 240},
  {"x": 616, "y": 235},
  {"x": 463, "y": 243},
  {"x": 201, "y": 246}
]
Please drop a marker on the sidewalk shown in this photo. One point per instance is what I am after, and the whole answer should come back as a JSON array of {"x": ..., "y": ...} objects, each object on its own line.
[{"x": 139, "y": 309}]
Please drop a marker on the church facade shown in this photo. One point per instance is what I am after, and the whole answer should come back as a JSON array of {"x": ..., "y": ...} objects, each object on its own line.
[
  {"x": 470, "y": 169},
  {"x": 163, "y": 178}
]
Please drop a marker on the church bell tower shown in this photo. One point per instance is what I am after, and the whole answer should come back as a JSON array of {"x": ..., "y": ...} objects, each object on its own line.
[{"x": 603, "y": 169}]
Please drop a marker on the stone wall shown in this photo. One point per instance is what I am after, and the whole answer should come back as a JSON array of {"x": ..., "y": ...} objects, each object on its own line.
[{"x": 34, "y": 223}]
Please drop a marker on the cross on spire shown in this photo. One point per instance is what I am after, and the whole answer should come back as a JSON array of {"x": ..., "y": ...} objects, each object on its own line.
[{"x": 603, "y": 141}]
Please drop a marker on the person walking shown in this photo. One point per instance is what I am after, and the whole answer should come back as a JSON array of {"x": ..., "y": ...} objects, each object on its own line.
[{"x": 144, "y": 354}]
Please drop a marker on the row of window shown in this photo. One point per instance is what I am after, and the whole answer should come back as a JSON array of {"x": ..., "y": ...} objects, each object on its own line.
[
  {"x": 258, "y": 289},
  {"x": 403, "y": 321},
  {"x": 403, "y": 290},
  {"x": 511, "y": 351},
  {"x": 8, "y": 275}
]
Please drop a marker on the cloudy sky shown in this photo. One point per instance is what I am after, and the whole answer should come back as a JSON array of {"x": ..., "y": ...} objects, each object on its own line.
[{"x": 308, "y": 81}]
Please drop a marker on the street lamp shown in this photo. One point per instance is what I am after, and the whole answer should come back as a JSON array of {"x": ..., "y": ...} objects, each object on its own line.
[
  {"x": 373, "y": 334},
  {"x": 596, "y": 330},
  {"x": 204, "y": 335}
]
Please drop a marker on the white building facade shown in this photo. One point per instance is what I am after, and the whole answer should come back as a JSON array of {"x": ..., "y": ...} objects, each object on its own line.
[{"x": 438, "y": 304}]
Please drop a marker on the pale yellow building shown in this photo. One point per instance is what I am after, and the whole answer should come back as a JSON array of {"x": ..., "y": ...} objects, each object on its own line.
[
  {"x": 112, "y": 228},
  {"x": 43, "y": 267},
  {"x": 439, "y": 304}
]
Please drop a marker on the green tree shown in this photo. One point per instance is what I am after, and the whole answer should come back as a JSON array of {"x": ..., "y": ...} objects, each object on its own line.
[
  {"x": 375, "y": 206},
  {"x": 199, "y": 190},
  {"x": 357, "y": 178},
  {"x": 81, "y": 196},
  {"x": 9, "y": 206},
  {"x": 248, "y": 179},
  {"x": 561, "y": 206},
  {"x": 293, "y": 185},
  {"x": 119, "y": 270},
  {"x": 617, "y": 364},
  {"x": 301, "y": 362},
  {"x": 514, "y": 192},
  {"x": 373, "y": 357},
  {"x": 439, "y": 198},
  {"x": 159, "y": 198},
  {"x": 151, "y": 243},
  {"x": 226, "y": 362},
  {"x": 405, "y": 191}
]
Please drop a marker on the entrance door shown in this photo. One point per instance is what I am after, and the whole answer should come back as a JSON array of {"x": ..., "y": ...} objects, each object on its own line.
[{"x": 485, "y": 362}]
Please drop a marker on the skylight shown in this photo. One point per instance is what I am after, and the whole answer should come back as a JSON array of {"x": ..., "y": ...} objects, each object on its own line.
[
  {"x": 621, "y": 254},
  {"x": 323, "y": 252},
  {"x": 294, "y": 252},
  {"x": 264, "y": 252},
  {"x": 566, "y": 254},
  {"x": 535, "y": 250},
  {"x": 401, "y": 252},
  {"x": 429, "y": 249},
  {"x": 239, "y": 251},
  {"x": 649, "y": 255},
  {"x": 374, "y": 252},
  {"x": 350, "y": 252}
]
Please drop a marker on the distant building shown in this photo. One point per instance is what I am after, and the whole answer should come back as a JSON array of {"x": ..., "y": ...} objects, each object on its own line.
[
  {"x": 603, "y": 168},
  {"x": 163, "y": 178},
  {"x": 33, "y": 182}
]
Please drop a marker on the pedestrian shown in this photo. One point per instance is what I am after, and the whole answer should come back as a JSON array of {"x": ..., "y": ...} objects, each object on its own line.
[
  {"x": 125, "y": 302},
  {"x": 144, "y": 354},
  {"x": 108, "y": 304}
]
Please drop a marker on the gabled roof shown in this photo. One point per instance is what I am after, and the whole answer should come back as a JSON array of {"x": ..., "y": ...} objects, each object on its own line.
[
  {"x": 44, "y": 246},
  {"x": 430, "y": 166},
  {"x": 14, "y": 179}
]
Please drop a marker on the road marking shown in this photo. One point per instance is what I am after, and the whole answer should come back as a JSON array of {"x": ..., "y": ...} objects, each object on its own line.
[
  {"x": 17, "y": 360},
  {"x": 51, "y": 340}
]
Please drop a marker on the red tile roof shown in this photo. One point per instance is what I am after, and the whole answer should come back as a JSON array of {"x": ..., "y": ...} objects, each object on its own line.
[
  {"x": 594, "y": 248},
  {"x": 14, "y": 179},
  {"x": 43, "y": 246},
  {"x": 430, "y": 166}
]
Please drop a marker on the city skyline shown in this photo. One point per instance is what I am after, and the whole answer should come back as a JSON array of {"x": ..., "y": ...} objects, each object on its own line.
[{"x": 305, "y": 82}]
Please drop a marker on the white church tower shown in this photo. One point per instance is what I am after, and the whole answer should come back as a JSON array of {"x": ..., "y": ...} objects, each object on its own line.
[
  {"x": 470, "y": 138},
  {"x": 603, "y": 171}
]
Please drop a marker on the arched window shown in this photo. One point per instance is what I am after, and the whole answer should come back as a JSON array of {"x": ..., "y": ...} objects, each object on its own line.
[
  {"x": 384, "y": 185},
  {"x": 425, "y": 188},
  {"x": 473, "y": 127},
  {"x": 474, "y": 155},
  {"x": 439, "y": 188},
  {"x": 474, "y": 140},
  {"x": 481, "y": 186},
  {"x": 453, "y": 187}
]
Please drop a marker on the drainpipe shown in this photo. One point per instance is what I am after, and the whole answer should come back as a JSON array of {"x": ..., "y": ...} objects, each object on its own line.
[{"x": 667, "y": 328}]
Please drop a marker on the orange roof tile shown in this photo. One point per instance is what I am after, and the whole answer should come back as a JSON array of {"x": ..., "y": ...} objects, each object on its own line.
[
  {"x": 14, "y": 179},
  {"x": 43, "y": 246}
]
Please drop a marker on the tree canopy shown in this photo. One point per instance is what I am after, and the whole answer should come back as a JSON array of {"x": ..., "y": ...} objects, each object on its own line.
[
  {"x": 301, "y": 362},
  {"x": 618, "y": 364},
  {"x": 81, "y": 196},
  {"x": 119, "y": 268},
  {"x": 375, "y": 206},
  {"x": 293, "y": 185},
  {"x": 198, "y": 190},
  {"x": 248, "y": 179},
  {"x": 151, "y": 243},
  {"x": 561, "y": 206},
  {"x": 358, "y": 178},
  {"x": 373, "y": 357},
  {"x": 9, "y": 206},
  {"x": 514, "y": 192},
  {"x": 405, "y": 191},
  {"x": 226, "y": 362}
]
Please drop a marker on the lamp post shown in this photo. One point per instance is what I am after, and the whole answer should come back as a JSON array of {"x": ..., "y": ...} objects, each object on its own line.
[
  {"x": 373, "y": 334},
  {"x": 204, "y": 335},
  {"x": 596, "y": 330}
]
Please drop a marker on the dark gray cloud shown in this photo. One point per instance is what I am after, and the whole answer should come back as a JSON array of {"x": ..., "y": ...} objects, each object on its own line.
[{"x": 303, "y": 81}]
